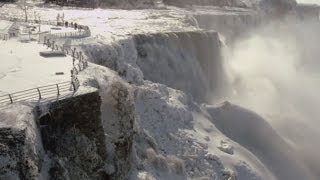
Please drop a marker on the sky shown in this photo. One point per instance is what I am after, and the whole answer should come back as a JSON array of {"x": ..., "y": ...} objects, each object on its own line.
[{"x": 309, "y": 1}]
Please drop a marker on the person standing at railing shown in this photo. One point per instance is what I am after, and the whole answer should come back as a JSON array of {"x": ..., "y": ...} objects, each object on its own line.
[
  {"x": 62, "y": 19},
  {"x": 53, "y": 45},
  {"x": 74, "y": 52},
  {"x": 45, "y": 40},
  {"x": 48, "y": 43},
  {"x": 58, "y": 18}
]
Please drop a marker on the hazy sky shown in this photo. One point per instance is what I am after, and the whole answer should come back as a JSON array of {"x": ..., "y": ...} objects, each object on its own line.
[{"x": 309, "y": 1}]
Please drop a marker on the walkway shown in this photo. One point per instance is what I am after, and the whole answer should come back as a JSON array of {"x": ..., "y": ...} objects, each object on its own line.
[{"x": 23, "y": 67}]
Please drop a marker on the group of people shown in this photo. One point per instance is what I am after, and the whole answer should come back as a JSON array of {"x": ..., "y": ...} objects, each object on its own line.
[
  {"x": 61, "y": 22},
  {"x": 76, "y": 26}
]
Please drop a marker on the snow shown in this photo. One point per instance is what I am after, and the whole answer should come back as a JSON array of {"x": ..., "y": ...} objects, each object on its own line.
[
  {"x": 4, "y": 26},
  {"x": 184, "y": 130},
  {"x": 23, "y": 68},
  {"x": 11, "y": 118},
  {"x": 176, "y": 138}
]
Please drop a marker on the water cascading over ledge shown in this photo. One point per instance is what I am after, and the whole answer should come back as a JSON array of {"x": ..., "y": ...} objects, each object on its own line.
[
  {"x": 187, "y": 61},
  {"x": 190, "y": 61}
]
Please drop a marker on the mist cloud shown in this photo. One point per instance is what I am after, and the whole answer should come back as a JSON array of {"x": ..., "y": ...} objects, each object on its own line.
[{"x": 275, "y": 73}]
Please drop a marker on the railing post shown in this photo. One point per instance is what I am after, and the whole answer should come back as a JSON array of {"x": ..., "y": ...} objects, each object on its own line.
[
  {"x": 73, "y": 85},
  {"x": 58, "y": 91},
  {"x": 10, "y": 98},
  {"x": 39, "y": 93}
]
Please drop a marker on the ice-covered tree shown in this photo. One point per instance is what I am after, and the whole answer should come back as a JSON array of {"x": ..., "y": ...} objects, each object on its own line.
[{"x": 23, "y": 5}]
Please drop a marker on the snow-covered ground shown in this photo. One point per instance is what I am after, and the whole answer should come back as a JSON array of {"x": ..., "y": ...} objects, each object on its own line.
[
  {"x": 23, "y": 68},
  {"x": 4, "y": 26}
]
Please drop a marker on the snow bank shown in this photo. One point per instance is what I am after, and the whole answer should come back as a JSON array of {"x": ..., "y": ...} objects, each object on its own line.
[{"x": 23, "y": 68}]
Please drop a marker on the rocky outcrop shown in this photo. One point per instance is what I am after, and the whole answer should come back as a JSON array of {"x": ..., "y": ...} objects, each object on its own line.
[
  {"x": 73, "y": 137},
  {"x": 119, "y": 122},
  {"x": 21, "y": 151},
  {"x": 14, "y": 164},
  {"x": 186, "y": 60}
]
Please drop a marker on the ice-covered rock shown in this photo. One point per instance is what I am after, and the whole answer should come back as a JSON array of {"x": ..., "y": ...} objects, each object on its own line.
[
  {"x": 159, "y": 58},
  {"x": 254, "y": 133},
  {"x": 21, "y": 150}
]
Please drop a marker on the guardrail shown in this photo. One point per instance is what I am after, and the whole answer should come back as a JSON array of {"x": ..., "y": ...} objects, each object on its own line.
[
  {"x": 54, "y": 90},
  {"x": 84, "y": 31},
  {"x": 79, "y": 34},
  {"x": 39, "y": 93}
]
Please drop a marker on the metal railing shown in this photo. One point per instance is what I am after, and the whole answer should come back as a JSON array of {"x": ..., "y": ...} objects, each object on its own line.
[
  {"x": 84, "y": 31},
  {"x": 39, "y": 93},
  {"x": 54, "y": 90}
]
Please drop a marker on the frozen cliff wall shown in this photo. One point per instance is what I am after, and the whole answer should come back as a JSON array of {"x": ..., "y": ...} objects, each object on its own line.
[
  {"x": 73, "y": 137},
  {"x": 118, "y": 119},
  {"x": 156, "y": 132},
  {"x": 189, "y": 61},
  {"x": 21, "y": 151}
]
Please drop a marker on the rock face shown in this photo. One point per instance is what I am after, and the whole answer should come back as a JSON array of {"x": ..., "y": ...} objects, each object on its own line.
[
  {"x": 73, "y": 136},
  {"x": 11, "y": 154},
  {"x": 189, "y": 61},
  {"x": 119, "y": 123},
  {"x": 21, "y": 149}
]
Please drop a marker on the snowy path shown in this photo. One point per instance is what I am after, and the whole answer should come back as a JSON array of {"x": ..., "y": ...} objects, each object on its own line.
[{"x": 23, "y": 68}]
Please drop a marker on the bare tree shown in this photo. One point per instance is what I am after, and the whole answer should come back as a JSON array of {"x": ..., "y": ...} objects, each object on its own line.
[{"x": 23, "y": 5}]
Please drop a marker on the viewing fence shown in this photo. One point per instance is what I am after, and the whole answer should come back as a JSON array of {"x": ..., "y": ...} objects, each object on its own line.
[
  {"x": 40, "y": 93},
  {"x": 54, "y": 90}
]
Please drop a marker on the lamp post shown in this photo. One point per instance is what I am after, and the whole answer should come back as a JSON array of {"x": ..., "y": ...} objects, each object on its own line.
[{"x": 39, "y": 18}]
